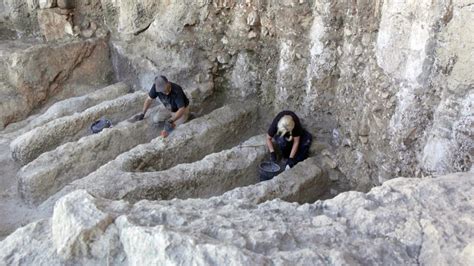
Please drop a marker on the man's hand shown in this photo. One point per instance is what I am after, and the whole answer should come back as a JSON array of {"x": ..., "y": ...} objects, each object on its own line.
[
  {"x": 273, "y": 156},
  {"x": 171, "y": 123},
  {"x": 290, "y": 162},
  {"x": 169, "y": 126},
  {"x": 139, "y": 116},
  {"x": 164, "y": 133}
]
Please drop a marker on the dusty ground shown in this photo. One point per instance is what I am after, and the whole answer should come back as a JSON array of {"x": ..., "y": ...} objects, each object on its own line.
[{"x": 12, "y": 210}]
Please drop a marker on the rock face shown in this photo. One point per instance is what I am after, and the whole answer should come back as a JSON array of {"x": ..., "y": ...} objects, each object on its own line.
[
  {"x": 54, "y": 25},
  {"x": 375, "y": 82},
  {"x": 47, "y": 3},
  {"x": 27, "y": 84},
  {"x": 390, "y": 90},
  {"x": 404, "y": 221}
]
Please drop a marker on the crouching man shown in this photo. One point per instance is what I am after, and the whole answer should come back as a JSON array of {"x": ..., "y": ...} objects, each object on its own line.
[{"x": 173, "y": 98}]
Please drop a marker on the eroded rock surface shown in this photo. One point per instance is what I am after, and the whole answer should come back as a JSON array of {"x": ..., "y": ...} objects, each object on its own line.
[
  {"x": 31, "y": 144},
  {"x": 389, "y": 90},
  {"x": 67, "y": 107},
  {"x": 26, "y": 83},
  {"x": 404, "y": 221},
  {"x": 141, "y": 166}
]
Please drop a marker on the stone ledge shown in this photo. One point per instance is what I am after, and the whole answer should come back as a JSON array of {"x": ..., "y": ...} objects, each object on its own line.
[{"x": 30, "y": 145}]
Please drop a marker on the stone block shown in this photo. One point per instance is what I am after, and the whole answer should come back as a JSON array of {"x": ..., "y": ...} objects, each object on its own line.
[
  {"x": 47, "y": 3},
  {"x": 53, "y": 25},
  {"x": 76, "y": 223}
]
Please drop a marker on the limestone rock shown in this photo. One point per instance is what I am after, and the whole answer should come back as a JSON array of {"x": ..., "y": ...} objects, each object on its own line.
[
  {"x": 28, "y": 85},
  {"x": 244, "y": 76},
  {"x": 13, "y": 104},
  {"x": 56, "y": 169},
  {"x": 66, "y": 4},
  {"x": 54, "y": 26},
  {"x": 87, "y": 33},
  {"x": 30, "y": 145},
  {"x": 253, "y": 18},
  {"x": 68, "y": 107},
  {"x": 31, "y": 244},
  {"x": 73, "y": 229},
  {"x": 47, "y": 3},
  {"x": 252, "y": 35},
  {"x": 309, "y": 185},
  {"x": 117, "y": 179},
  {"x": 404, "y": 221}
]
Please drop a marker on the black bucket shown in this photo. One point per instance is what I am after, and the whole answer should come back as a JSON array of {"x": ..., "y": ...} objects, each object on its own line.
[{"x": 268, "y": 170}]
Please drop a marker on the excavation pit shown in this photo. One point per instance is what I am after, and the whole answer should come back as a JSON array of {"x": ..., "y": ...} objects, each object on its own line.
[
  {"x": 53, "y": 170},
  {"x": 221, "y": 129},
  {"x": 188, "y": 143},
  {"x": 212, "y": 176},
  {"x": 387, "y": 86}
]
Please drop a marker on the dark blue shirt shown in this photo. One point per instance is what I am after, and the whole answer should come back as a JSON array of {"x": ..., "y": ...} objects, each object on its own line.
[{"x": 174, "y": 100}]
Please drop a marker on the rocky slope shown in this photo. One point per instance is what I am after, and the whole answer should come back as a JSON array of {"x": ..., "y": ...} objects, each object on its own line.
[{"x": 404, "y": 221}]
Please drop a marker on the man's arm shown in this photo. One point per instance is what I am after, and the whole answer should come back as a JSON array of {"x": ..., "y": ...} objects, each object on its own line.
[
  {"x": 147, "y": 105},
  {"x": 269, "y": 143},
  {"x": 178, "y": 115},
  {"x": 294, "y": 148}
]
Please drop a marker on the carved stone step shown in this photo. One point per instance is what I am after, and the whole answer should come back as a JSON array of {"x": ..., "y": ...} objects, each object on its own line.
[{"x": 30, "y": 145}]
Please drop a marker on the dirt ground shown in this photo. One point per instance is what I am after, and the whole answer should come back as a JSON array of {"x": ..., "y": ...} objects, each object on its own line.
[{"x": 13, "y": 212}]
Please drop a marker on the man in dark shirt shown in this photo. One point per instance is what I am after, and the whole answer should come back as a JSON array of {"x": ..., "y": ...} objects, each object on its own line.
[
  {"x": 173, "y": 98},
  {"x": 292, "y": 139}
]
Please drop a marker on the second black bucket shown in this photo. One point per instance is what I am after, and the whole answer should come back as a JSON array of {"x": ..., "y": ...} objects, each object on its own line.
[{"x": 268, "y": 170}]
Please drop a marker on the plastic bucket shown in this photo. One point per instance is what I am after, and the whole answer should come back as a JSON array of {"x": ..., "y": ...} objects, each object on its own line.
[{"x": 268, "y": 170}]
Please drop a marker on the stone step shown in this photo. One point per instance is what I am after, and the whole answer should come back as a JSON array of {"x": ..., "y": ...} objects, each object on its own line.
[
  {"x": 68, "y": 107},
  {"x": 33, "y": 143},
  {"x": 53, "y": 170},
  {"x": 219, "y": 130}
]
